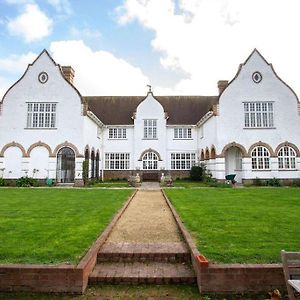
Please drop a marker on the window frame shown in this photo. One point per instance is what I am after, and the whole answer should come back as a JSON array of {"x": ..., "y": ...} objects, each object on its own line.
[
  {"x": 150, "y": 161},
  {"x": 182, "y": 133},
  {"x": 116, "y": 161},
  {"x": 258, "y": 114},
  {"x": 260, "y": 156},
  {"x": 39, "y": 114},
  {"x": 182, "y": 160},
  {"x": 150, "y": 129},
  {"x": 117, "y": 133},
  {"x": 286, "y": 158}
]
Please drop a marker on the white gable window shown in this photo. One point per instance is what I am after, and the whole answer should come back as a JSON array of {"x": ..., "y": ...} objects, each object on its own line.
[
  {"x": 182, "y": 133},
  {"x": 258, "y": 114},
  {"x": 182, "y": 161},
  {"x": 260, "y": 158},
  {"x": 117, "y": 161},
  {"x": 286, "y": 158},
  {"x": 150, "y": 129},
  {"x": 41, "y": 115},
  {"x": 117, "y": 133}
]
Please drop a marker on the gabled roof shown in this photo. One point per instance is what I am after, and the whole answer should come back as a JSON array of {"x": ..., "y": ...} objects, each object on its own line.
[{"x": 181, "y": 110}]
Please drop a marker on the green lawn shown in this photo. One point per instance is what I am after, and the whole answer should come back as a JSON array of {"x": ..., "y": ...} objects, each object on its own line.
[
  {"x": 110, "y": 184},
  {"x": 53, "y": 225},
  {"x": 241, "y": 225}
]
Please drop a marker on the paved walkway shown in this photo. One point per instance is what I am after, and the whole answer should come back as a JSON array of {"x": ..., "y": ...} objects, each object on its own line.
[{"x": 145, "y": 245}]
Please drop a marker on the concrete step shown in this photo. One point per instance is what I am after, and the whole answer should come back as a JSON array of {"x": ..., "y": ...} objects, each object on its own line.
[
  {"x": 142, "y": 273},
  {"x": 138, "y": 252}
]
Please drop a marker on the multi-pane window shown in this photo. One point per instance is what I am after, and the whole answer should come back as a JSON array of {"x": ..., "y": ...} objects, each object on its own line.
[
  {"x": 259, "y": 114},
  {"x": 150, "y": 129},
  {"x": 41, "y": 115},
  {"x": 286, "y": 158},
  {"x": 260, "y": 158},
  {"x": 150, "y": 160},
  {"x": 182, "y": 133},
  {"x": 182, "y": 161},
  {"x": 117, "y": 133},
  {"x": 117, "y": 161}
]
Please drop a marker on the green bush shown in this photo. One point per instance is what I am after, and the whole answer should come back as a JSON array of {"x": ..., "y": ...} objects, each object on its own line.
[
  {"x": 296, "y": 183},
  {"x": 2, "y": 181},
  {"x": 27, "y": 182},
  {"x": 197, "y": 173},
  {"x": 273, "y": 182},
  {"x": 85, "y": 172}
]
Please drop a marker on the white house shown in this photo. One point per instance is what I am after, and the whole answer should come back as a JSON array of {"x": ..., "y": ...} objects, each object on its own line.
[{"x": 47, "y": 129}]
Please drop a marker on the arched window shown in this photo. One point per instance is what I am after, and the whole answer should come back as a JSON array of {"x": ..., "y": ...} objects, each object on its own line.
[
  {"x": 286, "y": 158},
  {"x": 260, "y": 158},
  {"x": 93, "y": 164},
  {"x": 150, "y": 161},
  {"x": 65, "y": 165}
]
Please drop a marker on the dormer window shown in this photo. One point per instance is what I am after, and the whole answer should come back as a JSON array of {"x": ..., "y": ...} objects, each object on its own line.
[{"x": 150, "y": 129}]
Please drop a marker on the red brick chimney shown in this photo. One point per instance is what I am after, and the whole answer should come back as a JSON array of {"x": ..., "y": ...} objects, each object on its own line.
[
  {"x": 222, "y": 84},
  {"x": 68, "y": 72}
]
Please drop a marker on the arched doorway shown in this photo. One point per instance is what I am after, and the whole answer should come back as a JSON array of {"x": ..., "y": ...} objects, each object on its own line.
[
  {"x": 65, "y": 171},
  {"x": 233, "y": 162}
]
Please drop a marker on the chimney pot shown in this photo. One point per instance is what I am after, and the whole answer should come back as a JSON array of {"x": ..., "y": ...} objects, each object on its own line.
[
  {"x": 69, "y": 73},
  {"x": 222, "y": 84}
]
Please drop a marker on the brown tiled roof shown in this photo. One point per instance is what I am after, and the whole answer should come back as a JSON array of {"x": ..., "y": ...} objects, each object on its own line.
[{"x": 118, "y": 110}]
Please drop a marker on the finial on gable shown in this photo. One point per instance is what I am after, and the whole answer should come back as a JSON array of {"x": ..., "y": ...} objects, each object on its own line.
[{"x": 150, "y": 89}]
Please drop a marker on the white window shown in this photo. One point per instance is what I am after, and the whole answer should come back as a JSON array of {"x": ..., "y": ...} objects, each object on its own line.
[
  {"x": 258, "y": 114},
  {"x": 182, "y": 161},
  {"x": 182, "y": 133},
  {"x": 286, "y": 158},
  {"x": 150, "y": 129},
  {"x": 150, "y": 160},
  {"x": 117, "y": 161},
  {"x": 117, "y": 133},
  {"x": 260, "y": 158},
  {"x": 41, "y": 115}
]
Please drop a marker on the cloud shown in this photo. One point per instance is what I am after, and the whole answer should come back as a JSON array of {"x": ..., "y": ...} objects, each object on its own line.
[
  {"x": 85, "y": 33},
  {"x": 17, "y": 64},
  {"x": 207, "y": 40},
  {"x": 99, "y": 72},
  {"x": 32, "y": 24},
  {"x": 61, "y": 6}
]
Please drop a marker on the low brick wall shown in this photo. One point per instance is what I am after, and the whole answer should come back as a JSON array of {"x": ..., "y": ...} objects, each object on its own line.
[
  {"x": 230, "y": 278},
  {"x": 55, "y": 279},
  {"x": 241, "y": 278}
]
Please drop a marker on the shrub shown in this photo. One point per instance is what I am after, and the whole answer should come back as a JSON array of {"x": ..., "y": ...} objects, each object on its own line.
[
  {"x": 197, "y": 173},
  {"x": 85, "y": 171},
  {"x": 27, "y": 182},
  {"x": 296, "y": 183},
  {"x": 2, "y": 181},
  {"x": 273, "y": 182}
]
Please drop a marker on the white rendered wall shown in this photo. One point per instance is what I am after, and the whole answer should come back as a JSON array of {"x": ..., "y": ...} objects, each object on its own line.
[
  {"x": 69, "y": 119},
  {"x": 231, "y": 119},
  {"x": 150, "y": 108}
]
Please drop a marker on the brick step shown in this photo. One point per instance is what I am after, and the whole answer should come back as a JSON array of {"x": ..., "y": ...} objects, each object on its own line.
[
  {"x": 142, "y": 273},
  {"x": 134, "y": 252}
]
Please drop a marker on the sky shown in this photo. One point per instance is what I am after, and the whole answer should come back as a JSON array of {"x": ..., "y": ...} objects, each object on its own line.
[{"x": 179, "y": 47}]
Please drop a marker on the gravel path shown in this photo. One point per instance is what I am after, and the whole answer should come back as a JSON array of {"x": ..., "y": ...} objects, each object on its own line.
[{"x": 147, "y": 219}]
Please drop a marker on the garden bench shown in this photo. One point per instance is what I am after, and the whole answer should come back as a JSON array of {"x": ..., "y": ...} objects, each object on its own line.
[{"x": 291, "y": 270}]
